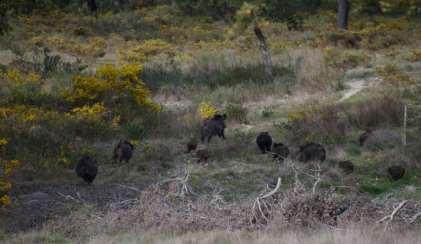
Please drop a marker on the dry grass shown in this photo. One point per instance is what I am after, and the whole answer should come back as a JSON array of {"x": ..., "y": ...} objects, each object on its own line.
[
  {"x": 357, "y": 235},
  {"x": 349, "y": 236}
]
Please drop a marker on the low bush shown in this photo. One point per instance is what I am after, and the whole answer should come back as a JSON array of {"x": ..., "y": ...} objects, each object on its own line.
[
  {"x": 393, "y": 75},
  {"x": 7, "y": 167},
  {"x": 206, "y": 110},
  {"x": 345, "y": 60},
  {"x": 380, "y": 110},
  {"x": 50, "y": 130},
  {"x": 237, "y": 112},
  {"x": 325, "y": 124}
]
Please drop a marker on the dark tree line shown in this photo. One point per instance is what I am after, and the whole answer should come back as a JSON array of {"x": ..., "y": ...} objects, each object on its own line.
[{"x": 290, "y": 11}]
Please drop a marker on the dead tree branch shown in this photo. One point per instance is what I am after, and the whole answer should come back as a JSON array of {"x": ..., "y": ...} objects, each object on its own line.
[
  {"x": 261, "y": 208},
  {"x": 391, "y": 216},
  {"x": 317, "y": 177},
  {"x": 183, "y": 187}
]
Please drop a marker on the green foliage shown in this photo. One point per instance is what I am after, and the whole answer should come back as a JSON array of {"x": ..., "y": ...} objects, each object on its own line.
[
  {"x": 135, "y": 129},
  {"x": 393, "y": 75},
  {"x": 324, "y": 123},
  {"x": 7, "y": 168},
  {"x": 384, "y": 109},
  {"x": 267, "y": 112},
  {"x": 237, "y": 112},
  {"x": 345, "y": 59},
  {"x": 51, "y": 130},
  {"x": 120, "y": 89},
  {"x": 380, "y": 185},
  {"x": 216, "y": 9},
  {"x": 284, "y": 9}
]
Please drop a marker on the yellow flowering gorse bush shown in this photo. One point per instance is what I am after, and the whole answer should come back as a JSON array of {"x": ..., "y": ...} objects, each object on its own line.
[
  {"x": 140, "y": 52},
  {"x": 94, "y": 46},
  {"x": 95, "y": 111},
  {"x": 206, "y": 110},
  {"x": 109, "y": 87},
  {"x": 6, "y": 170},
  {"x": 16, "y": 77}
]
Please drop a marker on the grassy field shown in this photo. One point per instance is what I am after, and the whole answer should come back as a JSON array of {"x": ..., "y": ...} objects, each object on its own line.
[{"x": 77, "y": 85}]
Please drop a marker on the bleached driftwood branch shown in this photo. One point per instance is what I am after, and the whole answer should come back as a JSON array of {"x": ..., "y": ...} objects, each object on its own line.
[
  {"x": 389, "y": 218},
  {"x": 260, "y": 207}
]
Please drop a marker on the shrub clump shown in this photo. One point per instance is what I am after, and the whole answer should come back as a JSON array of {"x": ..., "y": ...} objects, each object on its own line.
[
  {"x": 206, "y": 110},
  {"x": 6, "y": 170},
  {"x": 49, "y": 128},
  {"x": 119, "y": 89}
]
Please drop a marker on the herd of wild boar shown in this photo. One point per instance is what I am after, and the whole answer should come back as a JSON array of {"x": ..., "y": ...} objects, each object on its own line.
[{"x": 87, "y": 166}]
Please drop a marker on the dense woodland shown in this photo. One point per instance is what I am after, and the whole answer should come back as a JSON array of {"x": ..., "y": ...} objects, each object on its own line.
[{"x": 133, "y": 121}]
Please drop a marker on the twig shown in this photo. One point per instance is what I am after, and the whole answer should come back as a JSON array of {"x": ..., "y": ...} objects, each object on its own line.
[
  {"x": 297, "y": 183},
  {"x": 67, "y": 197},
  {"x": 405, "y": 115},
  {"x": 414, "y": 218},
  {"x": 318, "y": 179},
  {"x": 260, "y": 207},
  {"x": 278, "y": 184},
  {"x": 129, "y": 187},
  {"x": 392, "y": 215},
  {"x": 183, "y": 188}
]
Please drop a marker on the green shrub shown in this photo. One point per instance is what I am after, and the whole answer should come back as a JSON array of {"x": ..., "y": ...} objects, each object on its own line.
[
  {"x": 376, "y": 111},
  {"x": 135, "y": 129},
  {"x": 237, "y": 112},
  {"x": 324, "y": 123},
  {"x": 346, "y": 59},
  {"x": 215, "y": 9}
]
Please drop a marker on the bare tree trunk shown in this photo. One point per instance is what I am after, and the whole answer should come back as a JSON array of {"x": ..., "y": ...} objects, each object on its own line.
[
  {"x": 4, "y": 24},
  {"x": 405, "y": 115},
  {"x": 93, "y": 7},
  {"x": 342, "y": 15},
  {"x": 267, "y": 60}
]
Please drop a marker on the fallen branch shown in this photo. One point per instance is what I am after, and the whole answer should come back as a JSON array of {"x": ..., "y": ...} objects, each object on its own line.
[
  {"x": 297, "y": 183},
  {"x": 317, "y": 177},
  {"x": 217, "y": 200},
  {"x": 129, "y": 187},
  {"x": 124, "y": 204},
  {"x": 390, "y": 217},
  {"x": 183, "y": 188},
  {"x": 68, "y": 197},
  {"x": 414, "y": 218},
  {"x": 261, "y": 208}
]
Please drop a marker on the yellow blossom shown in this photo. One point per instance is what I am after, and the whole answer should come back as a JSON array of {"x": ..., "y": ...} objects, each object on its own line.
[
  {"x": 3, "y": 141},
  {"x": 5, "y": 200},
  {"x": 206, "y": 110}
]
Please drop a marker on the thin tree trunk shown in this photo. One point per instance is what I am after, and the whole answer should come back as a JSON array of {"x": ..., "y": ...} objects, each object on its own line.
[
  {"x": 93, "y": 7},
  {"x": 4, "y": 24},
  {"x": 266, "y": 57},
  {"x": 342, "y": 15},
  {"x": 405, "y": 115}
]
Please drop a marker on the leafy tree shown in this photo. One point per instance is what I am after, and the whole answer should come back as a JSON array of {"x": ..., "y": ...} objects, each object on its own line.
[
  {"x": 284, "y": 9},
  {"x": 213, "y": 8}
]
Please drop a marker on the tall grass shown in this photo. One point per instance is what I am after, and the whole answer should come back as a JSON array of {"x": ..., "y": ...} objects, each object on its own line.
[{"x": 357, "y": 235}]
